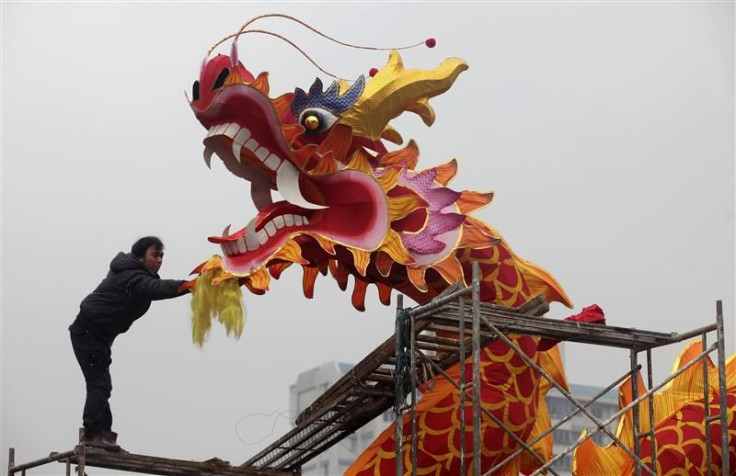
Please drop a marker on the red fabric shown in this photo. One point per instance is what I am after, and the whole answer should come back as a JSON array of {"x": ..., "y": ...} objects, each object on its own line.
[{"x": 592, "y": 314}]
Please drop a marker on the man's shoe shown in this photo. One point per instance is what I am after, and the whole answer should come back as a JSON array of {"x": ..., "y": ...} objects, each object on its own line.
[
  {"x": 110, "y": 437},
  {"x": 99, "y": 440},
  {"x": 110, "y": 440},
  {"x": 92, "y": 439}
]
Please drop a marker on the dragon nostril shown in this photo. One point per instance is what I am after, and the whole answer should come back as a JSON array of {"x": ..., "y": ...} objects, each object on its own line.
[
  {"x": 220, "y": 81},
  {"x": 195, "y": 91}
]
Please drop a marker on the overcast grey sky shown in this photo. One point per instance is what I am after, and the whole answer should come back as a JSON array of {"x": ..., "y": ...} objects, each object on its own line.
[{"x": 605, "y": 129}]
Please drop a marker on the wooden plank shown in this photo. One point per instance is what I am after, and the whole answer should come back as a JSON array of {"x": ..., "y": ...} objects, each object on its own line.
[{"x": 168, "y": 467}]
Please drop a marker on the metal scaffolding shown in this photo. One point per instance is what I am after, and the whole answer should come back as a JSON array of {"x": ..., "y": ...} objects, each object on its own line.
[
  {"x": 377, "y": 384},
  {"x": 492, "y": 322}
]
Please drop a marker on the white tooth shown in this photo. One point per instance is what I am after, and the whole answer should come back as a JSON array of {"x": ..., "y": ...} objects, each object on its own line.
[
  {"x": 236, "y": 150},
  {"x": 212, "y": 130},
  {"x": 289, "y": 219},
  {"x": 252, "y": 241},
  {"x": 272, "y": 162},
  {"x": 287, "y": 182},
  {"x": 279, "y": 222},
  {"x": 262, "y": 237},
  {"x": 306, "y": 222},
  {"x": 270, "y": 228},
  {"x": 224, "y": 249},
  {"x": 298, "y": 220},
  {"x": 226, "y": 231},
  {"x": 242, "y": 135},
  {"x": 207, "y": 154},
  {"x": 252, "y": 144},
  {"x": 219, "y": 128},
  {"x": 231, "y": 130},
  {"x": 238, "y": 141},
  {"x": 241, "y": 245},
  {"x": 262, "y": 153}
]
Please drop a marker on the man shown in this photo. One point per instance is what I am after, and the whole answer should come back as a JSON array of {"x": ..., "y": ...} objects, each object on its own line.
[{"x": 120, "y": 299}]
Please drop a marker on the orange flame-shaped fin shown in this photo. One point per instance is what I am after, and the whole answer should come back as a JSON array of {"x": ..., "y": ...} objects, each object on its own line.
[
  {"x": 360, "y": 260},
  {"x": 358, "y": 297},
  {"x": 390, "y": 178},
  {"x": 277, "y": 268},
  {"x": 470, "y": 201},
  {"x": 261, "y": 83},
  {"x": 291, "y": 132},
  {"x": 340, "y": 273},
  {"x": 338, "y": 142},
  {"x": 301, "y": 156},
  {"x": 260, "y": 280},
  {"x": 291, "y": 251},
  {"x": 324, "y": 243},
  {"x": 384, "y": 263},
  {"x": 416, "y": 276},
  {"x": 450, "y": 269},
  {"x": 384, "y": 293},
  {"x": 246, "y": 282},
  {"x": 360, "y": 160},
  {"x": 308, "y": 280},
  {"x": 473, "y": 238},
  {"x": 325, "y": 166},
  {"x": 394, "y": 247},
  {"x": 402, "y": 205},
  {"x": 282, "y": 104},
  {"x": 445, "y": 172},
  {"x": 408, "y": 156}
]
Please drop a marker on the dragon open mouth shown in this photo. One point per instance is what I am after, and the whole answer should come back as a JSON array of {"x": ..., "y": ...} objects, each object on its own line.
[{"x": 348, "y": 206}]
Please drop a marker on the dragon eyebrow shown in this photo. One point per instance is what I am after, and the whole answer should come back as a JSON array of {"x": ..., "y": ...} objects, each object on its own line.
[{"x": 330, "y": 99}]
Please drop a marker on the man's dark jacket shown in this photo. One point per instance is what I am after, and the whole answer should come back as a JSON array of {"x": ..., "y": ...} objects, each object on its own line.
[{"x": 121, "y": 298}]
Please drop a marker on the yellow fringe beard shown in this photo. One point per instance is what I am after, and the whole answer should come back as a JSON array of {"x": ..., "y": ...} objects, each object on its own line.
[{"x": 222, "y": 301}]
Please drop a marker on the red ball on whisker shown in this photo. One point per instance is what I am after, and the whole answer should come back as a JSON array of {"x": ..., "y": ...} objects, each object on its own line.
[
  {"x": 373, "y": 72},
  {"x": 431, "y": 42}
]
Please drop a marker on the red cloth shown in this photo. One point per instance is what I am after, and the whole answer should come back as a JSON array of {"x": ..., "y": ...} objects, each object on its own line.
[{"x": 592, "y": 314}]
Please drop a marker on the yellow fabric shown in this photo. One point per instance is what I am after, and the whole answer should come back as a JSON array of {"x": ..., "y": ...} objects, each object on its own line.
[{"x": 222, "y": 300}]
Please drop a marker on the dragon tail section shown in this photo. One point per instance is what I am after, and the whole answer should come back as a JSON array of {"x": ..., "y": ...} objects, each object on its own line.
[{"x": 679, "y": 413}]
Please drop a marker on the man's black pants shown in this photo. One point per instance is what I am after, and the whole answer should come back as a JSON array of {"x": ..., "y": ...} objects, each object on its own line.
[{"x": 94, "y": 359}]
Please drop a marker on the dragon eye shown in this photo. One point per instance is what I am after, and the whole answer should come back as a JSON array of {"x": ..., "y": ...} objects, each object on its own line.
[
  {"x": 195, "y": 90},
  {"x": 311, "y": 122},
  {"x": 316, "y": 120},
  {"x": 220, "y": 81}
]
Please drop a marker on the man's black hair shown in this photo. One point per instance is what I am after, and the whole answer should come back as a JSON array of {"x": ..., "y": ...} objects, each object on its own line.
[{"x": 139, "y": 247}]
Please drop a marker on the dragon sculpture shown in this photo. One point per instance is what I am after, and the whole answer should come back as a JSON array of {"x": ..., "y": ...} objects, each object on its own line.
[{"x": 352, "y": 207}]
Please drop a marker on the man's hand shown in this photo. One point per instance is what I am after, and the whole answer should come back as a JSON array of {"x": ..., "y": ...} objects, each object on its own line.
[{"x": 188, "y": 286}]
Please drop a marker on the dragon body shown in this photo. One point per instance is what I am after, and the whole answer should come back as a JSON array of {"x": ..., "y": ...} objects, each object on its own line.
[{"x": 354, "y": 208}]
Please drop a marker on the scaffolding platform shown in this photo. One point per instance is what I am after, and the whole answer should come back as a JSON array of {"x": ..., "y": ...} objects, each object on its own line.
[{"x": 82, "y": 457}]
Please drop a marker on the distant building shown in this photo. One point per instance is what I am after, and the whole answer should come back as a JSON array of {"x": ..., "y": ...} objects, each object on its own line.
[
  {"x": 568, "y": 433},
  {"x": 336, "y": 460}
]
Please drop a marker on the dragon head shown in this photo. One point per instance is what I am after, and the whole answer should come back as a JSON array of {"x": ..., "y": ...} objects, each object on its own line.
[{"x": 350, "y": 205}]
